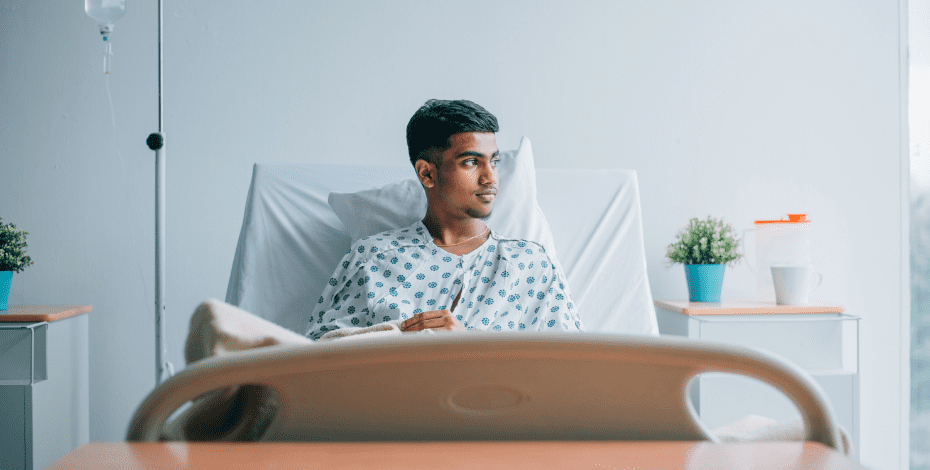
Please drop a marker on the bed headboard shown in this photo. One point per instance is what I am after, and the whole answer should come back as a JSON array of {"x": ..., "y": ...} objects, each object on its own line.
[{"x": 279, "y": 267}]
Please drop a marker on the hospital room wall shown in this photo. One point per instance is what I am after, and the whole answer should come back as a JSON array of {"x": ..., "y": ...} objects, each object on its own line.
[{"x": 742, "y": 109}]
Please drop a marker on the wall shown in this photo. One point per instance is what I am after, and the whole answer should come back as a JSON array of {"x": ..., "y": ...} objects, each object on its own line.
[{"x": 742, "y": 109}]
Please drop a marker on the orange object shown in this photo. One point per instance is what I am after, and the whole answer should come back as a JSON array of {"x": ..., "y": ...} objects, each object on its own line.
[
  {"x": 453, "y": 455},
  {"x": 745, "y": 307},
  {"x": 37, "y": 313},
  {"x": 792, "y": 219}
]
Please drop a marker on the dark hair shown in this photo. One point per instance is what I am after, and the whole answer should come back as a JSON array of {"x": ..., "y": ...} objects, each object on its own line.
[{"x": 437, "y": 120}]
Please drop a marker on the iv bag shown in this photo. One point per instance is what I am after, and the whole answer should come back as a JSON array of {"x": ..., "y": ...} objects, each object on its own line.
[{"x": 105, "y": 11}]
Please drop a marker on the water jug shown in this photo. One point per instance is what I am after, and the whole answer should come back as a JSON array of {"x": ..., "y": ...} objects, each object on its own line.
[{"x": 777, "y": 242}]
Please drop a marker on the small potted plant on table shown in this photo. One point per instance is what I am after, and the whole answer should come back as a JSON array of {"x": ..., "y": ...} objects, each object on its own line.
[
  {"x": 704, "y": 247},
  {"x": 13, "y": 258}
]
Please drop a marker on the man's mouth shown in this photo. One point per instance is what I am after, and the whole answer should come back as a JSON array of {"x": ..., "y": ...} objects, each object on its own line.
[{"x": 488, "y": 196}]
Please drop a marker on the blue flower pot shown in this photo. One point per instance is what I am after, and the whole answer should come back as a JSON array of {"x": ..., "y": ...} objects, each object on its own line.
[
  {"x": 705, "y": 281},
  {"x": 6, "y": 280}
]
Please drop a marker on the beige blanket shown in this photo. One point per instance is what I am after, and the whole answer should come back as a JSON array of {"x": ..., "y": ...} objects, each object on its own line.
[{"x": 233, "y": 414}]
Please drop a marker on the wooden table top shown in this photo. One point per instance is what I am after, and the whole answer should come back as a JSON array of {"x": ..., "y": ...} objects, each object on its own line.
[
  {"x": 455, "y": 455},
  {"x": 38, "y": 313},
  {"x": 744, "y": 307}
]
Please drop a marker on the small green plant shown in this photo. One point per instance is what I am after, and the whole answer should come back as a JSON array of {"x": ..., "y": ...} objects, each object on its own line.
[
  {"x": 13, "y": 248},
  {"x": 708, "y": 241}
]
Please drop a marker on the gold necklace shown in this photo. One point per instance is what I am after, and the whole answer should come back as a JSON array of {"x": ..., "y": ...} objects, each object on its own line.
[{"x": 467, "y": 239}]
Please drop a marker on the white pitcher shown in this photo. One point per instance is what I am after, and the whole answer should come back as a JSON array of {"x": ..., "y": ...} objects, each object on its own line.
[{"x": 777, "y": 242}]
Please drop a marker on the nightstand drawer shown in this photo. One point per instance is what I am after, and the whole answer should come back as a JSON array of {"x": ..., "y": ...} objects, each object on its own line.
[
  {"x": 23, "y": 359},
  {"x": 818, "y": 343}
]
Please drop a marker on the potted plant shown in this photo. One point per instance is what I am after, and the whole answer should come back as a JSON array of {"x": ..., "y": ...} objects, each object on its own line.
[
  {"x": 704, "y": 247},
  {"x": 12, "y": 258}
]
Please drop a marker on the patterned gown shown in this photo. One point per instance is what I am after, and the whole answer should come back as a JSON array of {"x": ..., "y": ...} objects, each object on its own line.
[{"x": 506, "y": 285}]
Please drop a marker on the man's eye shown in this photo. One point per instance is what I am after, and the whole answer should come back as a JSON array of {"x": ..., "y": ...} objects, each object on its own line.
[
  {"x": 471, "y": 162},
  {"x": 495, "y": 161}
]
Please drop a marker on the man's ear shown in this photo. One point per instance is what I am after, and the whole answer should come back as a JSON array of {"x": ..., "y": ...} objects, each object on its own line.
[{"x": 427, "y": 172}]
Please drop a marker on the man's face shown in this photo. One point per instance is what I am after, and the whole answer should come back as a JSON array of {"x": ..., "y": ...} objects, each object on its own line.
[{"x": 467, "y": 178}]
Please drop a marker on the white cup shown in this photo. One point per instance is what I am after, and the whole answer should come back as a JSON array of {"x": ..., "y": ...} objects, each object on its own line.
[{"x": 793, "y": 284}]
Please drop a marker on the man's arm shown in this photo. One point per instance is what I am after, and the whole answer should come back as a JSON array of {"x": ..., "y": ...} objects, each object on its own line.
[{"x": 344, "y": 302}]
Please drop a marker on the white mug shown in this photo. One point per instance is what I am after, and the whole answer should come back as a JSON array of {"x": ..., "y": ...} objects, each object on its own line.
[{"x": 793, "y": 284}]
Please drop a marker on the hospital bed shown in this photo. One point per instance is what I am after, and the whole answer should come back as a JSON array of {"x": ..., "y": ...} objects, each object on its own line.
[{"x": 619, "y": 381}]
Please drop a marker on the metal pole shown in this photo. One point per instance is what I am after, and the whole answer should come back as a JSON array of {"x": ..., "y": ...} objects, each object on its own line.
[
  {"x": 156, "y": 142},
  {"x": 161, "y": 348},
  {"x": 161, "y": 121}
]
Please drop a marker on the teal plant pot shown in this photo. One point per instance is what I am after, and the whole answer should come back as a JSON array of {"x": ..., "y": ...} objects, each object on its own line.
[
  {"x": 6, "y": 280},
  {"x": 705, "y": 281}
]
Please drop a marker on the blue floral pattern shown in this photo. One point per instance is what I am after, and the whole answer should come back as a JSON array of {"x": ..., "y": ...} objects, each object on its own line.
[{"x": 531, "y": 291}]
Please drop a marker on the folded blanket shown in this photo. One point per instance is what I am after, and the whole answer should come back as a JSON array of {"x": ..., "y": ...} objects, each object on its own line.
[
  {"x": 243, "y": 413},
  {"x": 218, "y": 328}
]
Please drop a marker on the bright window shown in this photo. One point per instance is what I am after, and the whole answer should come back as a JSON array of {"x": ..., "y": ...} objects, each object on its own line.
[{"x": 919, "y": 123}]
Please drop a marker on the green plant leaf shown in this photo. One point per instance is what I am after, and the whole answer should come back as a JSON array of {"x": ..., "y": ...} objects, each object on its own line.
[
  {"x": 708, "y": 241},
  {"x": 13, "y": 248}
]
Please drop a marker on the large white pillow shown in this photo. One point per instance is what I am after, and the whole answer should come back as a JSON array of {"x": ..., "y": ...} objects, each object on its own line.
[{"x": 516, "y": 213}]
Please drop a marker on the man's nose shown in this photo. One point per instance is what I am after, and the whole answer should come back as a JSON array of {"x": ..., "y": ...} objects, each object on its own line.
[{"x": 488, "y": 176}]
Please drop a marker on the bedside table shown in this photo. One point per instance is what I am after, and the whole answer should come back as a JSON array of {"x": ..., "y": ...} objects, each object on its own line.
[
  {"x": 818, "y": 337},
  {"x": 44, "y": 389}
]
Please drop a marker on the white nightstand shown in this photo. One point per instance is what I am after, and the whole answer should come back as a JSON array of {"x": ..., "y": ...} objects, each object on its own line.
[
  {"x": 819, "y": 338},
  {"x": 44, "y": 388}
]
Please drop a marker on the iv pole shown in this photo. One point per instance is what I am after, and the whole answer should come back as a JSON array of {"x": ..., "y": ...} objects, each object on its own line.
[{"x": 156, "y": 142}]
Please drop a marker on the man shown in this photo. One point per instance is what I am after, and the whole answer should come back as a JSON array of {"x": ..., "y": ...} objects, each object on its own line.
[{"x": 449, "y": 271}]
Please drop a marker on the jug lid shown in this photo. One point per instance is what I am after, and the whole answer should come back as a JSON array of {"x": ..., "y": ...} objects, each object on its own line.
[{"x": 792, "y": 219}]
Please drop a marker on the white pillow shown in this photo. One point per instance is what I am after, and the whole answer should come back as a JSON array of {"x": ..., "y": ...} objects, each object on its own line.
[
  {"x": 372, "y": 211},
  {"x": 516, "y": 213}
]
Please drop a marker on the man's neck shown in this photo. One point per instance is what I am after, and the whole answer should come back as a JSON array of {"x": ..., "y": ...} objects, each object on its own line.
[{"x": 454, "y": 235}]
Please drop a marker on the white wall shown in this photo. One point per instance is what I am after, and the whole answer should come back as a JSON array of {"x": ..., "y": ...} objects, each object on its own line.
[{"x": 743, "y": 109}]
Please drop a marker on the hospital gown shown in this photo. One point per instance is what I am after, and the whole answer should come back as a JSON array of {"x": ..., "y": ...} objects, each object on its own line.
[{"x": 506, "y": 285}]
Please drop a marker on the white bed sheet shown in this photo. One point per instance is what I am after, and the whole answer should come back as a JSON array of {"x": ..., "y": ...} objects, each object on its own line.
[{"x": 279, "y": 268}]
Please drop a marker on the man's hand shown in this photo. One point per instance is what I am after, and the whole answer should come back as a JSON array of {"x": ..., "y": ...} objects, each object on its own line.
[{"x": 433, "y": 320}]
